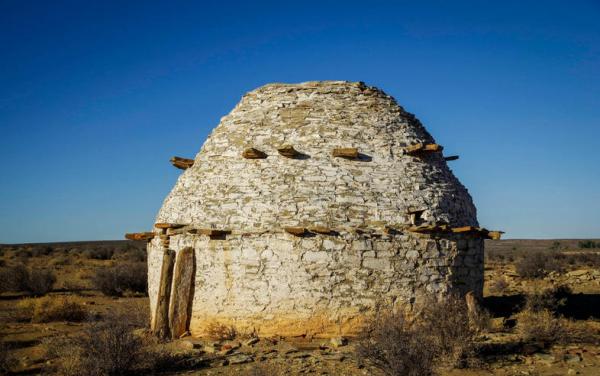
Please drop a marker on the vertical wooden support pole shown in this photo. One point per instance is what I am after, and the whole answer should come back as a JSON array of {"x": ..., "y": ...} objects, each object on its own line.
[
  {"x": 161, "y": 316},
  {"x": 179, "y": 306}
]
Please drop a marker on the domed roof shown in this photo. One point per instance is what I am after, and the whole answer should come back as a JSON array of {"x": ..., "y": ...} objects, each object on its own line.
[{"x": 224, "y": 190}]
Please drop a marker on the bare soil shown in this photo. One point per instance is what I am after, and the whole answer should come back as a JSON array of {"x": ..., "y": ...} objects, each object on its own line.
[{"x": 502, "y": 350}]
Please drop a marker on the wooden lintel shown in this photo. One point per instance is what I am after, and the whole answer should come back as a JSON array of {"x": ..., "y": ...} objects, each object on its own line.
[
  {"x": 320, "y": 230},
  {"x": 288, "y": 151},
  {"x": 140, "y": 236},
  {"x": 451, "y": 158},
  {"x": 182, "y": 163},
  {"x": 351, "y": 153},
  {"x": 495, "y": 235},
  {"x": 465, "y": 229},
  {"x": 167, "y": 225},
  {"x": 210, "y": 232},
  {"x": 424, "y": 229},
  {"x": 421, "y": 148},
  {"x": 295, "y": 230},
  {"x": 252, "y": 153}
]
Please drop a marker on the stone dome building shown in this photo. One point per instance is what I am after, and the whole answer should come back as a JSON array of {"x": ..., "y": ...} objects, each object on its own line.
[{"x": 307, "y": 205}]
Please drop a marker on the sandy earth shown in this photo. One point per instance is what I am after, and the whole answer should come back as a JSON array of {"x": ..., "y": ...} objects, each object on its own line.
[{"x": 319, "y": 356}]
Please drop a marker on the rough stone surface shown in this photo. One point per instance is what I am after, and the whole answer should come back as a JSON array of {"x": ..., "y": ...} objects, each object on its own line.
[{"x": 260, "y": 278}]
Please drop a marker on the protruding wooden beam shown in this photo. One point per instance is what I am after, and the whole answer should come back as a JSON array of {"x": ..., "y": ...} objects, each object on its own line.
[
  {"x": 320, "y": 230},
  {"x": 288, "y": 151},
  {"x": 426, "y": 229},
  {"x": 351, "y": 153},
  {"x": 478, "y": 231},
  {"x": 182, "y": 163},
  {"x": 162, "y": 225},
  {"x": 298, "y": 231},
  {"x": 451, "y": 158},
  {"x": 420, "y": 148},
  {"x": 252, "y": 153},
  {"x": 209, "y": 232},
  {"x": 464, "y": 229},
  {"x": 140, "y": 236},
  {"x": 495, "y": 235}
]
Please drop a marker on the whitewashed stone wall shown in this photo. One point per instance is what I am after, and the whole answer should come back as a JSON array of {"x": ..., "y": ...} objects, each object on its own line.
[{"x": 263, "y": 278}]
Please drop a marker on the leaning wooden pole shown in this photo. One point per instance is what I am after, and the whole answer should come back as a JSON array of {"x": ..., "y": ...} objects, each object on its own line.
[
  {"x": 179, "y": 306},
  {"x": 160, "y": 326}
]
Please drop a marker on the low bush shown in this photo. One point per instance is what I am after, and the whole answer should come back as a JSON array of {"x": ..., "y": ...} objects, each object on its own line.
[
  {"x": 105, "y": 349},
  {"x": 397, "y": 345},
  {"x": 7, "y": 362},
  {"x": 442, "y": 333},
  {"x": 130, "y": 254},
  {"x": 541, "y": 327},
  {"x": 550, "y": 299},
  {"x": 536, "y": 265},
  {"x": 100, "y": 253},
  {"x": 221, "y": 332},
  {"x": 499, "y": 285},
  {"x": 587, "y": 244},
  {"x": 40, "y": 281},
  {"x": 55, "y": 308},
  {"x": 129, "y": 277},
  {"x": 20, "y": 278}
]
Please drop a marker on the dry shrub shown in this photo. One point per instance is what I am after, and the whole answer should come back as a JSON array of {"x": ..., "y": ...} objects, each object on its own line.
[
  {"x": 536, "y": 265},
  {"x": 21, "y": 278},
  {"x": 221, "y": 332},
  {"x": 7, "y": 362},
  {"x": 397, "y": 345},
  {"x": 40, "y": 281},
  {"x": 54, "y": 308},
  {"x": 99, "y": 253},
  {"x": 60, "y": 260},
  {"x": 499, "y": 285},
  {"x": 541, "y": 327},
  {"x": 453, "y": 328},
  {"x": 443, "y": 333},
  {"x": 550, "y": 299},
  {"x": 115, "y": 281},
  {"x": 130, "y": 254},
  {"x": 112, "y": 347}
]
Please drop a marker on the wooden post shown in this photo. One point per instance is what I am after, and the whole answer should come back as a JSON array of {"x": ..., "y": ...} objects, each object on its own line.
[
  {"x": 350, "y": 153},
  {"x": 160, "y": 326},
  {"x": 181, "y": 289}
]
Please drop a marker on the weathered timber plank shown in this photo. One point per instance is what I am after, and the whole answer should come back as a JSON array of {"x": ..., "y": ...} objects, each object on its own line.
[
  {"x": 288, "y": 151},
  {"x": 252, "y": 153},
  {"x": 160, "y": 324},
  {"x": 140, "y": 236},
  {"x": 320, "y": 230},
  {"x": 181, "y": 288},
  {"x": 295, "y": 230},
  {"x": 168, "y": 225},
  {"x": 182, "y": 163},
  {"x": 421, "y": 148},
  {"x": 346, "y": 153}
]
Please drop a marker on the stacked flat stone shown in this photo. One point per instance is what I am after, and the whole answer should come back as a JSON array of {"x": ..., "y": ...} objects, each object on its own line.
[{"x": 259, "y": 277}]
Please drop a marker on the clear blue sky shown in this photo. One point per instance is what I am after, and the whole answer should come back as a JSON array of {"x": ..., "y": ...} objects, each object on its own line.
[{"x": 95, "y": 97}]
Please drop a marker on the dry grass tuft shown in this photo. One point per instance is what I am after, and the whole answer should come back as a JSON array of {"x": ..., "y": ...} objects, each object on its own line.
[
  {"x": 541, "y": 327},
  {"x": 221, "y": 332},
  {"x": 121, "y": 279},
  {"x": 7, "y": 362},
  {"x": 20, "y": 278},
  {"x": 443, "y": 333},
  {"x": 54, "y": 308},
  {"x": 105, "y": 349}
]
